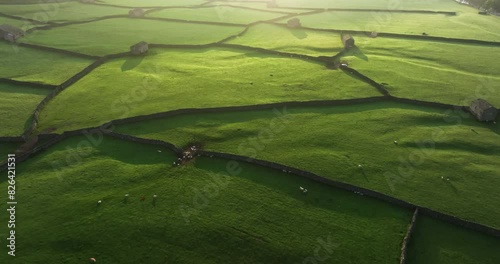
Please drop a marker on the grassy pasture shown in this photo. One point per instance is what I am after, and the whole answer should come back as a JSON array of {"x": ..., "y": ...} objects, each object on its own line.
[
  {"x": 24, "y": 25},
  {"x": 255, "y": 215},
  {"x": 438, "y": 242},
  {"x": 24, "y": 2},
  {"x": 257, "y": 5},
  {"x": 216, "y": 14},
  {"x": 430, "y": 71},
  {"x": 432, "y": 5},
  {"x": 299, "y": 41},
  {"x": 62, "y": 12},
  {"x": 27, "y": 64},
  {"x": 182, "y": 78},
  {"x": 333, "y": 141},
  {"x": 153, "y": 3},
  {"x": 17, "y": 103},
  {"x": 117, "y": 35},
  {"x": 464, "y": 25}
]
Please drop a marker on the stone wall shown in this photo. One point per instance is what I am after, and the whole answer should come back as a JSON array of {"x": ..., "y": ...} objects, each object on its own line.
[{"x": 407, "y": 238}]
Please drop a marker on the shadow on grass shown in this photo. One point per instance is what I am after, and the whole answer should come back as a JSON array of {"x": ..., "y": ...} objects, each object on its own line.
[
  {"x": 214, "y": 120},
  {"x": 356, "y": 52},
  {"x": 299, "y": 33},
  {"x": 438, "y": 242},
  {"x": 318, "y": 195},
  {"x": 22, "y": 89},
  {"x": 132, "y": 62}
]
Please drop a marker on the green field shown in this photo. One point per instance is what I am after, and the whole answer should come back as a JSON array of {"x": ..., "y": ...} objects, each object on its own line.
[
  {"x": 466, "y": 25},
  {"x": 212, "y": 210},
  {"x": 25, "y": 25},
  {"x": 432, "y": 5},
  {"x": 299, "y": 41},
  {"x": 154, "y": 3},
  {"x": 31, "y": 65},
  {"x": 422, "y": 69},
  {"x": 117, "y": 35},
  {"x": 437, "y": 242},
  {"x": 257, "y": 5},
  {"x": 250, "y": 215},
  {"x": 17, "y": 103},
  {"x": 216, "y": 14},
  {"x": 174, "y": 79},
  {"x": 61, "y": 12},
  {"x": 337, "y": 139}
]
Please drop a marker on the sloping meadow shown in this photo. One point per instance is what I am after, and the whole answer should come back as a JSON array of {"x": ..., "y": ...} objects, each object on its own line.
[
  {"x": 465, "y": 25},
  {"x": 61, "y": 11},
  {"x": 17, "y": 103},
  {"x": 225, "y": 14},
  {"x": 39, "y": 66},
  {"x": 113, "y": 36},
  {"x": 430, "y": 70},
  {"x": 300, "y": 41},
  {"x": 170, "y": 79},
  {"x": 414, "y": 153},
  {"x": 201, "y": 212}
]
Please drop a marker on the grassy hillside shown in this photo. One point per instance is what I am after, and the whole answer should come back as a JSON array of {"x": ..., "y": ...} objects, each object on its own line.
[
  {"x": 117, "y": 35},
  {"x": 183, "y": 78},
  {"x": 437, "y": 242},
  {"x": 299, "y": 41},
  {"x": 216, "y": 14},
  {"x": 333, "y": 141},
  {"x": 60, "y": 12},
  {"x": 146, "y": 3},
  {"x": 25, "y": 25},
  {"x": 442, "y": 5},
  {"x": 17, "y": 103},
  {"x": 27, "y": 64},
  {"x": 201, "y": 213},
  {"x": 430, "y": 71},
  {"x": 466, "y": 25}
]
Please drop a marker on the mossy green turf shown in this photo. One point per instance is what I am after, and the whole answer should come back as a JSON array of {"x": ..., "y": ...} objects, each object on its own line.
[
  {"x": 153, "y": 3},
  {"x": 202, "y": 214},
  {"x": 59, "y": 12},
  {"x": 112, "y": 36},
  {"x": 31, "y": 65},
  {"x": 431, "y": 5},
  {"x": 465, "y": 25},
  {"x": 430, "y": 71},
  {"x": 183, "y": 78},
  {"x": 274, "y": 37},
  {"x": 438, "y": 242},
  {"x": 17, "y": 103},
  {"x": 216, "y": 14},
  {"x": 332, "y": 141}
]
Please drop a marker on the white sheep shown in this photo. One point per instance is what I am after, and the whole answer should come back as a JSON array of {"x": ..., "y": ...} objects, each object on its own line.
[
  {"x": 99, "y": 202},
  {"x": 301, "y": 188}
]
